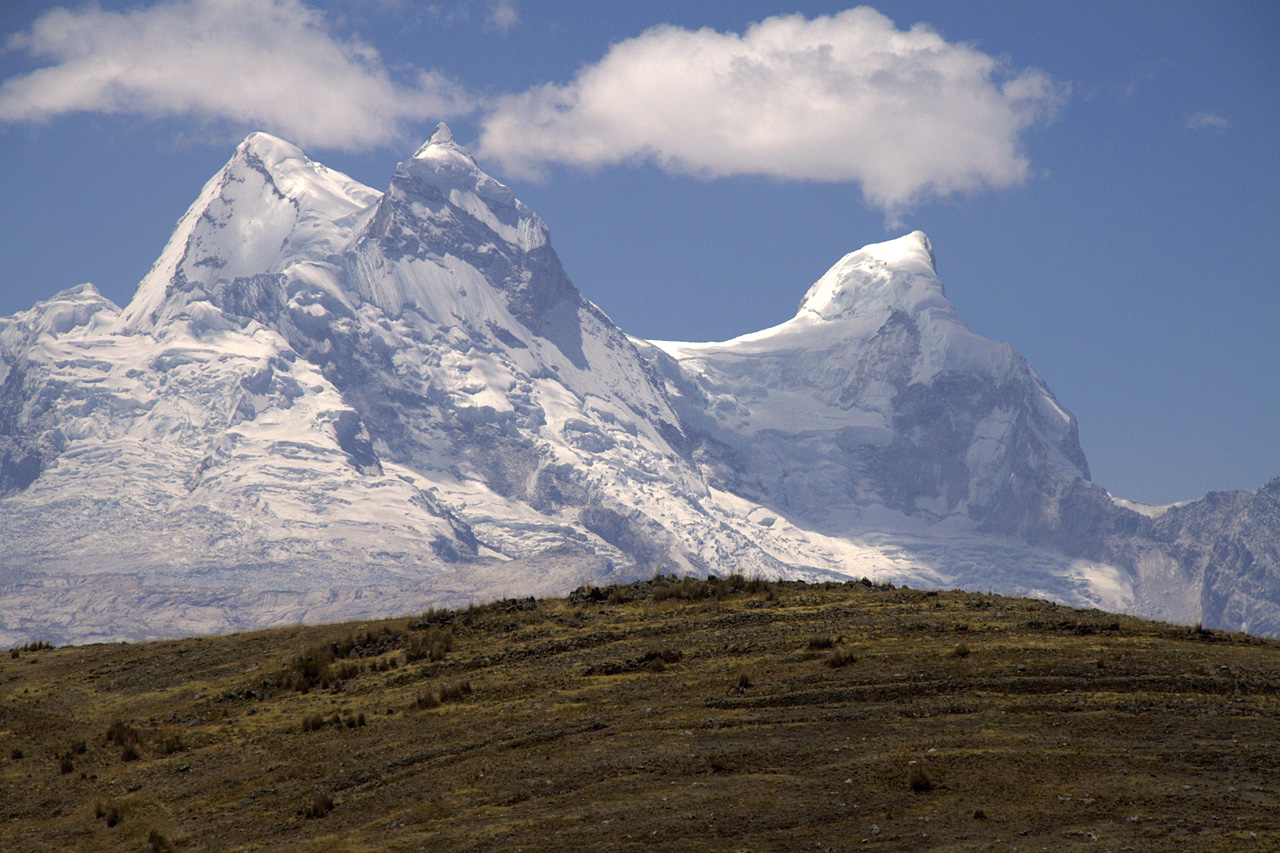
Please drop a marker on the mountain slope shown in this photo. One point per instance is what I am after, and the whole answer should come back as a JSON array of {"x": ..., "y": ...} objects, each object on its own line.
[{"x": 329, "y": 401}]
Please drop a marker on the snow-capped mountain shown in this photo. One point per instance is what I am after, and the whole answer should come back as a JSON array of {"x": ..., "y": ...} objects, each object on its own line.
[{"x": 328, "y": 402}]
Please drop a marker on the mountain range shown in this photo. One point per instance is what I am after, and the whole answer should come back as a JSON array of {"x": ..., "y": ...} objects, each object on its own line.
[{"x": 327, "y": 402}]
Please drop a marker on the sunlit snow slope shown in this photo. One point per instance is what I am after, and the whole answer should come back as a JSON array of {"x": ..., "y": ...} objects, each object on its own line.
[{"x": 324, "y": 402}]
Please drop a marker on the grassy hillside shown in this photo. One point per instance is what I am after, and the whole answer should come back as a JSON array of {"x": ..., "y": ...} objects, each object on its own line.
[{"x": 668, "y": 715}]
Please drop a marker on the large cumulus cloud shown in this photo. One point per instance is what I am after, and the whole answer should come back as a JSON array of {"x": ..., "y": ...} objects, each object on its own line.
[
  {"x": 268, "y": 64},
  {"x": 846, "y": 98}
]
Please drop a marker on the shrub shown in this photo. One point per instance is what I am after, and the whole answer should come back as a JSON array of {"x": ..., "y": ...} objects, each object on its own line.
[
  {"x": 744, "y": 682},
  {"x": 112, "y": 814},
  {"x": 78, "y": 748},
  {"x": 960, "y": 651},
  {"x": 15, "y": 754},
  {"x": 67, "y": 766},
  {"x": 312, "y": 722},
  {"x": 817, "y": 644},
  {"x": 918, "y": 779},
  {"x": 130, "y": 752}
]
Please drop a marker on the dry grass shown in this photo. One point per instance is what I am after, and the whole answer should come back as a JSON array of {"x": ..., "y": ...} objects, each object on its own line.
[{"x": 625, "y": 718}]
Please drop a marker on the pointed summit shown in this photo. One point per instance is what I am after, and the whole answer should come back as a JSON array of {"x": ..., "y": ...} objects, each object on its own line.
[
  {"x": 443, "y": 150},
  {"x": 270, "y": 204},
  {"x": 442, "y": 183},
  {"x": 911, "y": 251},
  {"x": 893, "y": 275},
  {"x": 271, "y": 150},
  {"x": 441, "y": 135}
]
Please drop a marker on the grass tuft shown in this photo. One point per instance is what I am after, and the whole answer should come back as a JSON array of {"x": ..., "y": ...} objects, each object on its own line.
[
  {"x": 840, "y": 657},
  {"x": 158, "y": 843},
  {"x": 320, "y": 806},
  {"x": 918, "y": 780},
  {"x": 171, "y": 745},
  {"x": 121, "y": 734}
]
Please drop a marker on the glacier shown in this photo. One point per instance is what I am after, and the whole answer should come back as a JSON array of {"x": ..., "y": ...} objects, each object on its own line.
[{"x": 329, "y": 402}]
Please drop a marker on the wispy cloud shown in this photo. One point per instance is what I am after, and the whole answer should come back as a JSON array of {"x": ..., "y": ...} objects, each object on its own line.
[
  {"x": 1207, "y": 121},
  {"x": 503, "y": 15},
  {"x": 269, "y": 64},
  {"x": 846, "y": 98}
]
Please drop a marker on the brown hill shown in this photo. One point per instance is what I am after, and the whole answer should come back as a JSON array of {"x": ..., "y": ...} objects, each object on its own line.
[{"x": 666, "y": 715}]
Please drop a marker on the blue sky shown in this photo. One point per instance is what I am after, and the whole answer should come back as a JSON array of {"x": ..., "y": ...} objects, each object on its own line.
[{"x": 1100, "y": 181}]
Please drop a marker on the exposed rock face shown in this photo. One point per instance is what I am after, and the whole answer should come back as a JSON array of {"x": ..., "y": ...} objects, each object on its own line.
[{"x": 324, "y": 401}]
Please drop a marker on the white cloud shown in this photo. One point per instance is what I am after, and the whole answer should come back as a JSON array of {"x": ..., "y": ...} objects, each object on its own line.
[
  {"x": 262, "y": 64},
  {"x": 846, "y": 98},
  {"x": 1207, "y": 120},
  {"x": 503, "y": 15}
]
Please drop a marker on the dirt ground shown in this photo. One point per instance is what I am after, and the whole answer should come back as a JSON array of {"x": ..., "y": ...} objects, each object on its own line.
[{"x": 681, "y": 716}]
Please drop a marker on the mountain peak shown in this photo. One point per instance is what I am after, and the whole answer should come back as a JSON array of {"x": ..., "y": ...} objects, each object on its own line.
[
  {"x": 441, "y": 135},
  {"x": 268, "y": 205},
  {"x": 271, "y": 150},
  {"x": 896, "y": 274},
  {"x": 441, "y": 170},
  {"x": 909, "y": 250},
  {"x": 441, "y": 149}
]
